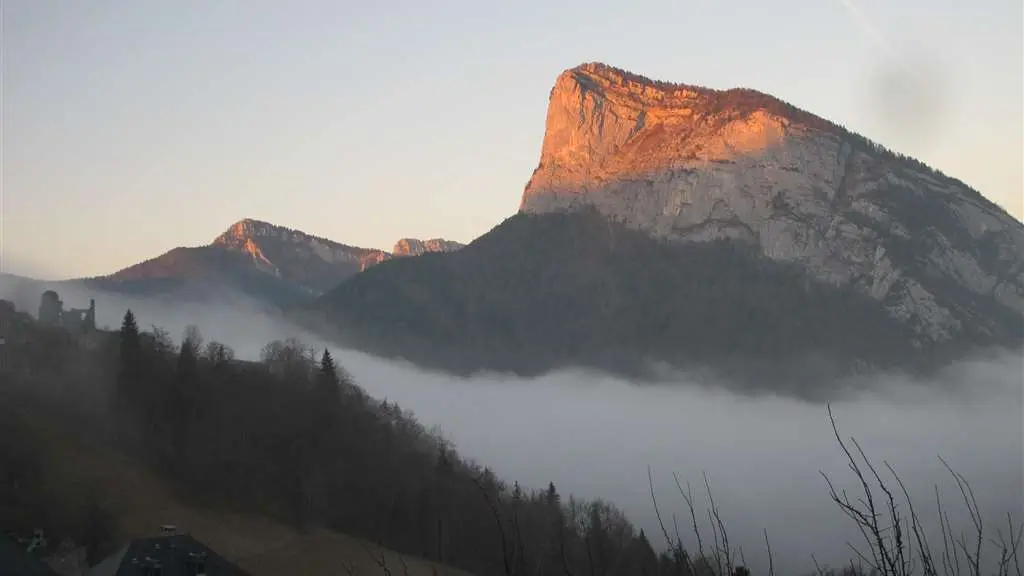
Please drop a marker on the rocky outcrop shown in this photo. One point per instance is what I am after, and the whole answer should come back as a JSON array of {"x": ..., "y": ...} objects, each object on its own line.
[
  {"x": 316, "y": 263},
  {"x": 256, "y": 238},
  {"x": 688, "y": 164},
  {"x": 414, "y": 247}
]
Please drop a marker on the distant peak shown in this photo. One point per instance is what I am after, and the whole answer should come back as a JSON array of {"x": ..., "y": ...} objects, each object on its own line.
[
  {"x": 246, "y": 228},
  {"x": 415, "y": 246},
  {"x": 250, "y": 234},
  {"x": 241, "y": 229}
]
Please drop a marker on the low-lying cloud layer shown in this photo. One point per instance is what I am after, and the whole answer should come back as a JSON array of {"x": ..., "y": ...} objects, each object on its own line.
[{"x": 595, "y": 436}]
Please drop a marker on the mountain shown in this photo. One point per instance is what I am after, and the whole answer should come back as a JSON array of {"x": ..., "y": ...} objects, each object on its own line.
[
  {"x": 722, "y": 229},
  {"x": 273, "y": 264},
  {"x": 692, "y": 164}
]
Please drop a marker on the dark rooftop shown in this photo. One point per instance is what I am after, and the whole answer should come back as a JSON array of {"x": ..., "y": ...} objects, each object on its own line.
[{"x": 171, "y": 555}]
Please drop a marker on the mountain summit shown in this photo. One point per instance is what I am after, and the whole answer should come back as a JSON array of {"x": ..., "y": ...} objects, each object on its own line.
[{"x": 685, "y": 163}]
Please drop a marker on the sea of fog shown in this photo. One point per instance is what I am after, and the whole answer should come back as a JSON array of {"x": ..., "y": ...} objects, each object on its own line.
[{"x": 595, "y": 436}]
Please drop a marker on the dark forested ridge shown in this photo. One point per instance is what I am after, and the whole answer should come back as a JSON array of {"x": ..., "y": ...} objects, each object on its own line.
[
  {"x": 544, "y": 291},
  {"x": 290, "y": 437}
]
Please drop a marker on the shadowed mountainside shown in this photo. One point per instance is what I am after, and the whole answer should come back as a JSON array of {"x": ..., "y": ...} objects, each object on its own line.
[{"x": 543, "y": 291}]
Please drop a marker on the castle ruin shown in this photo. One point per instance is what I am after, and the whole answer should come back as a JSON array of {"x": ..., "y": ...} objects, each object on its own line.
[{"x": 75, "y": 320}]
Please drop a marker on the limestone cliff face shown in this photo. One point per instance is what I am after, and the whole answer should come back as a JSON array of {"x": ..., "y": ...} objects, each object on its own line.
[
  {"x": 415, "y": 247},
  {"x": 689, "y": 164}
]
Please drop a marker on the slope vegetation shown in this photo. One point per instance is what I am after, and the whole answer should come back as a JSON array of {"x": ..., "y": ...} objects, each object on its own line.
[
  {"x": 76, "y": 467},
  {"x": 264, "y": 461},
  {"x": 542, "y": 291}
]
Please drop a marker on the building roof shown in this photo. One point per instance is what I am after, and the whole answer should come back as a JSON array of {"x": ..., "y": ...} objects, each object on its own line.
[
  {"x": 15, "y": 561},
  {"x": 175, "y": 555}
]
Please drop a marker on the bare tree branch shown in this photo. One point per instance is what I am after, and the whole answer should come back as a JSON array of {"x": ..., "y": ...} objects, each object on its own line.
[{"x": 771, "y": 560}]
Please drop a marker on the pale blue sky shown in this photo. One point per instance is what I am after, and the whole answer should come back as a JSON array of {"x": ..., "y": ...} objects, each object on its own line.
[{"x": 132, "y": 127}]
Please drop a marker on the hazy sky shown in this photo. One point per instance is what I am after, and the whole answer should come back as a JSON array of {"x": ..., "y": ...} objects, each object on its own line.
[{"x": 133, "y": 127}]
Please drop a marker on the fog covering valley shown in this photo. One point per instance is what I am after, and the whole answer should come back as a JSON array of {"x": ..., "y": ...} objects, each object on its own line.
[{"x": 595, "y": 436}]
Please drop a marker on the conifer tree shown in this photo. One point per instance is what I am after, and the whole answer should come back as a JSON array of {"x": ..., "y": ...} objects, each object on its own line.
[
  {"x": 182, "y": 397},
  {"x": 129, "y": 365},
  {"x": 326, "y": 395}
]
